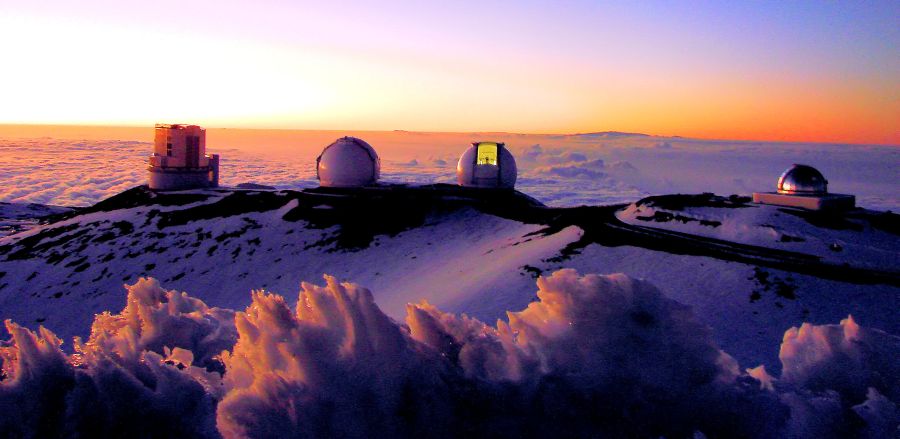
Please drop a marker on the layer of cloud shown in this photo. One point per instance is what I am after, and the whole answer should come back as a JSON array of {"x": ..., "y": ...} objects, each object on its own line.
[
  {"x": 558, "y": 171},
  {"x": 594, "y": 169}
]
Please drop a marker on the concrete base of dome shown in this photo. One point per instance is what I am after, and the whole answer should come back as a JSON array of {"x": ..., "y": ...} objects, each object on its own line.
[
  {"x": 810, "y": 202},
  {"x": 163, "y": 179}
]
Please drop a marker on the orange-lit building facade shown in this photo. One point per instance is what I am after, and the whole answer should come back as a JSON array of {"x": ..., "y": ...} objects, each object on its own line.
[{"x": 179, "y": 160}]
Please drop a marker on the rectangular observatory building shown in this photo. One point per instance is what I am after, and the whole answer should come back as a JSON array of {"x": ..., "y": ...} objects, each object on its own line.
[{"x": 179, "y": 160}]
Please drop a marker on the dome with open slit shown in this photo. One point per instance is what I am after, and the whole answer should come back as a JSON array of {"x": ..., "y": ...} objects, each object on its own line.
[{"x": 487, "y": 164}]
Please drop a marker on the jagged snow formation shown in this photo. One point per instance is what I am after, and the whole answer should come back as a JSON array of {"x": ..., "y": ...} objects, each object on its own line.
[{"x": 594, "y": 355}]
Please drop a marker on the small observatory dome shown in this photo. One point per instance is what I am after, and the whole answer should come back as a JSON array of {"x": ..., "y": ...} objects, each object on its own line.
[
  {"x": 487, "y": 164},
  {"x": 348, "y": 162},
  {"x": 802, "y": 180}
]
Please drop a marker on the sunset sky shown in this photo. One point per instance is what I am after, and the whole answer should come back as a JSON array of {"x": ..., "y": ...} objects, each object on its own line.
[{"x": 798, "y": 71}]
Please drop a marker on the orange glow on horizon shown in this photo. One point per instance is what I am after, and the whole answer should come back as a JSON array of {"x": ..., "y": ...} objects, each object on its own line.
[{"x": 114, "y": 75}]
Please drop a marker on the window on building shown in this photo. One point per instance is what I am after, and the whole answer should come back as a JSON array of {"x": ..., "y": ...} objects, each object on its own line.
[{"x": 169, "y": 149}]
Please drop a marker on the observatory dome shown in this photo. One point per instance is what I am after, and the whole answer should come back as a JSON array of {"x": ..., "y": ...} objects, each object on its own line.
[
  {"x": 802, "y": 180},
  {"x": 348, "y": 162},
  {"x": 487, "y": 164}
]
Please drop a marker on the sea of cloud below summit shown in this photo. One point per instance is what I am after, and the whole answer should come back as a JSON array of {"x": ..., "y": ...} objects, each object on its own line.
[{"x": 559, "y": 170}]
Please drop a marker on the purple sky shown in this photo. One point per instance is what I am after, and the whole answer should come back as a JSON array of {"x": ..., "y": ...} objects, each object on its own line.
[{"x": 821, "y": 71}]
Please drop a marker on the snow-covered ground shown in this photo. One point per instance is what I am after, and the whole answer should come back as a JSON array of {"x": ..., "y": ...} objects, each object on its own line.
[
  {"x": 16, "y": 217},
  {"x": 838, "y": 239},
  {"x": 711, "y": 288},
  {"x": 409, "y": 245},
  {"x": 719, "y": 339}
]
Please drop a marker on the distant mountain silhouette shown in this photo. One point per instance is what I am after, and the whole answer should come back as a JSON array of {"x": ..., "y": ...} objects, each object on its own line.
[{"x": 610, "y": 134}]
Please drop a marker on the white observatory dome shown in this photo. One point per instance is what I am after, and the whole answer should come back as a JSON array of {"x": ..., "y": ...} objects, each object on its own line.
[
  {"x": 348, "y": 162},
  {"x": 802, "y": 180},
  {"x": 487, "y": 164}
]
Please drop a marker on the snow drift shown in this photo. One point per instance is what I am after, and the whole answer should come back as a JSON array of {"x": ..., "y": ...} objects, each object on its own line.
[
  {"x": 133, "y": 378},
  {"x": 593, "y": 355}
]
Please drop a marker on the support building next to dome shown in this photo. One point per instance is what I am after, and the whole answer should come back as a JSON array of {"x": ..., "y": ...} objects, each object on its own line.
[
  {"x": 805, "y": 187},
  {"x": 179, "y": 159}
]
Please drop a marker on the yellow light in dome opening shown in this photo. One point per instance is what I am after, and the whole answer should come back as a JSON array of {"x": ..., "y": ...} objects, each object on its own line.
[{"x": 487, "y": 154}]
